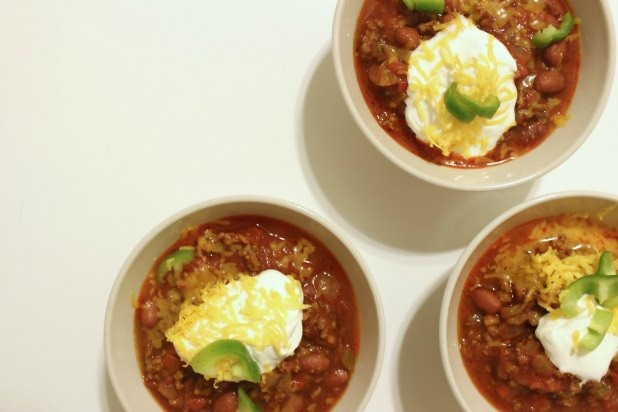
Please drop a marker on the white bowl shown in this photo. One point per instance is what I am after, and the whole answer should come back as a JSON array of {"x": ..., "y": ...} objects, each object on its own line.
[
  {"x": 120, "y": 353},
  {"x": 568, "y": 202},
  {"x": 595, "y": 79}
]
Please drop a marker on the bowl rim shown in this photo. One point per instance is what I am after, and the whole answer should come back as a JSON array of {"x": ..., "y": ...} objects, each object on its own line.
[
  {"x": 456, "y": 272},
  {"x": 337, "y": 233},
  {"x": 461, "y": 179}
]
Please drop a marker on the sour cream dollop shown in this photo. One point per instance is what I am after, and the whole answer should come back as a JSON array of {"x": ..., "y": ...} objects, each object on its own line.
[
  {"x": 558, "y": 335},
  {"x": 264, "y": 312},
  {"x": 482, "y": 66}
]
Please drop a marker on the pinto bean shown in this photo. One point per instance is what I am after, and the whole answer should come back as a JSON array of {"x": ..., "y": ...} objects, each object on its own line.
[
  {"x": 295, "y": 403},
  {"x": 171, "y": 361},
  {"x": 314, "y": 362},
  {"x": 297, "y": 384},
  {"x": 555, "y": 7},
  {"x": 509, "y": 332},
  {"x": 486, "y": 300},
  {"x": 309, "y": 292},
  {"x": 549, "y": 81},
  {"x": 407, "y": 37},
  {"x": 534, "y": 130},
  {"x": 522, "y": 56},
  {"x": 554, "y": 53},
  {"x": 197, "y": 403},
  {"x": 337, "y": 377},
  {"x": 149, "y": 314},
  {"x": 225, "y": 403}
]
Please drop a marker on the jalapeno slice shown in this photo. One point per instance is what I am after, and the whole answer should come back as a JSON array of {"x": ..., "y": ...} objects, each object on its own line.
[
  {"x": 465, "y": 109},
  {"x": 245, "y": 404},
  {"x": 603, "y": 285},
  {"x": 175, "y": 261},
  {"x": 599, "y": 324},
  {"x": 425, "y": 6},
  {"x": 551, "y": 34}
]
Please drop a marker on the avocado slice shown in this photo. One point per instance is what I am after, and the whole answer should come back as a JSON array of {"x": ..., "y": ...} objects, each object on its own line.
[
  {"x": 226, "y": 360},
  {"x": 245, "y": 404}
]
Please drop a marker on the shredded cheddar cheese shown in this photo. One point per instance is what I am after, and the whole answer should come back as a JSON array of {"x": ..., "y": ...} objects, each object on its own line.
[
  {"x": 256, "y": 314},
  {"x": 479, "y": 77},
  {"x": 557, "y": 273}
]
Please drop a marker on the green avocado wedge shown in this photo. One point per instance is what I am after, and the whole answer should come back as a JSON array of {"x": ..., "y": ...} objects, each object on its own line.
[
  {"x": 245, "y": 404},
  {"x": 226, "y": 360}
]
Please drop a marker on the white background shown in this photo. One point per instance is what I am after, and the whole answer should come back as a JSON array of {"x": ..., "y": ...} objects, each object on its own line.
[{"x": 116, "y": 114}]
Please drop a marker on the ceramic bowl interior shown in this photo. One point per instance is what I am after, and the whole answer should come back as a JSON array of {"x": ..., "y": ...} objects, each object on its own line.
[
  {"x": 595, "y": 78},
  {"x": 581, "y": 202},
  {"x": 120, "y": 354}
]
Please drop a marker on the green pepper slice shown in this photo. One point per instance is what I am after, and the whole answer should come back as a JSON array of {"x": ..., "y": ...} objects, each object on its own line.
[
  {"x": 485, "y": 109},
  {"x": 245, "y": 404},
  {"x": 425, "y": 6},
  {"x": 599, "y": 324},
  {"x": 603, "y": 285},
  {"x": 175, "y": 261},
  {"x": 227, "y": 359},
  {"x": 551, "y": 34},
  {"x": 465, "y": 109}
]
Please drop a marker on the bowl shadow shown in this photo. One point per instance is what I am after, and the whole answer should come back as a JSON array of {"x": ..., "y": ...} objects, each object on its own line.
[
  {"x": 366, "y": 193},
  {"x": 421, "y": 382}
]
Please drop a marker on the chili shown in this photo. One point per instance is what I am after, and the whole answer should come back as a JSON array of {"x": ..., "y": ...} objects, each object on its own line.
[
  {"x": 498, "y": 345},
  {"x": 387, "y": 32},
  {"x": 314, "y": 377}
]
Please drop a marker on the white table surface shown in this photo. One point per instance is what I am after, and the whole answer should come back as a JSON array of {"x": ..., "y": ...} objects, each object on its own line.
[{"x": 116, "y": 114}]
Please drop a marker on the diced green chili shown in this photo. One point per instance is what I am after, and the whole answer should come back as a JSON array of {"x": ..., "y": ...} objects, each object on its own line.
[
  {"x": 603, "y": 285},
  {"x": 465, "y": 109},
  {"x": 425, "y": 6},
  {"x": 551, "y": 34},
  {"x": 245, "y": 404},
  {"x": 175, "y": 261}
]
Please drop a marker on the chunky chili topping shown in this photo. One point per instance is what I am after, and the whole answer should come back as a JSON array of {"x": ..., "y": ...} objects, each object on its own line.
[
  {"x": 516, "y": 281},
  {"x": 387, "y": 32},
  {"x": 312, "y": 379}
]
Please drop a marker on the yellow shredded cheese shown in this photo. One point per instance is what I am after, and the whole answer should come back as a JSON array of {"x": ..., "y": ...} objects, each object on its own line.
[
  {"x": 478, "y": 76},
  {"x": 557, "y": 273},
  {"x": 241, "y": 309},
  {"x": 532, "y": 264}
]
